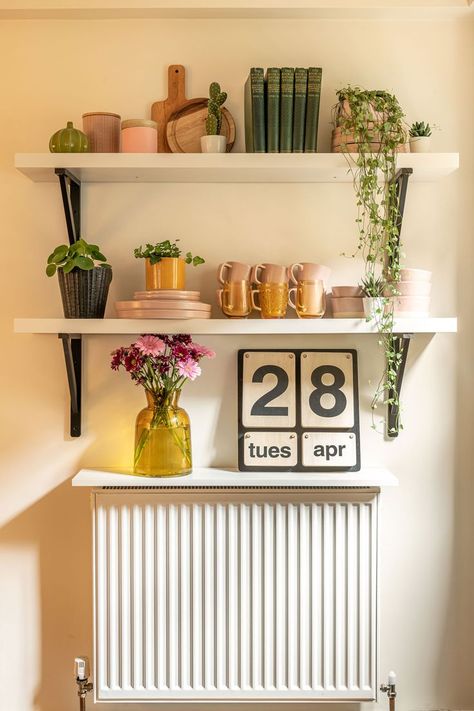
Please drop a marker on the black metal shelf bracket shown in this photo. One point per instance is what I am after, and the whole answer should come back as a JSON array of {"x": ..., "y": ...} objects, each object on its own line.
[
  {"x": 402, "y": 343},
  {"x": 72, "y": 346},
  {"x": 71, "y": 197}
]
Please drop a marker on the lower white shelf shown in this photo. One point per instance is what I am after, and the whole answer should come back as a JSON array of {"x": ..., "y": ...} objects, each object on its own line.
[
  {"x": 226, "y": 327},
  {"x": 231, "y": 478}
]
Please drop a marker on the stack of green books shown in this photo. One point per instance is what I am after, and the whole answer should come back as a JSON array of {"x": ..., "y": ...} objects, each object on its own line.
[{"x": 282, "y": 110}]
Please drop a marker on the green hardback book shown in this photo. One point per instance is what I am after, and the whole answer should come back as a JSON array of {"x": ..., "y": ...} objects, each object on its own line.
[
  {"x": 255, "y": 112},
  {"x": 312, "y": 109},
  {"x": 273, "y": 110},
  {"x": 299, "y": 110},
  {"x": 286, "y": 109}
]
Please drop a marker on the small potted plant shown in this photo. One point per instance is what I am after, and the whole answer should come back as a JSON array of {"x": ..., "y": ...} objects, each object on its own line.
[
  {"x": 84, "y": 278},
  {"x": 420, "y": 137},
  {"x": 213, "y": 142},
  {"x": 373, "y": 299},
  {"x": 164, "y": 265}
]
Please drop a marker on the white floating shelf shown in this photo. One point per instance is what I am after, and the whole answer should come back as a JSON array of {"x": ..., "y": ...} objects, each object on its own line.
[
  {"x": 231, "y": 478},
  {"x": 229, "y": 327},
  {"x": 218, "y": 168},
  {"x": 230, "y": 9}
]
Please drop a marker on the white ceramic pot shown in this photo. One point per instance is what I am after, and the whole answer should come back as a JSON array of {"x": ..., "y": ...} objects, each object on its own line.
[
  {"x": 373, "y": 307},
  {"x": 420, "y": 144},
  {"x": 213, "y": 144}
]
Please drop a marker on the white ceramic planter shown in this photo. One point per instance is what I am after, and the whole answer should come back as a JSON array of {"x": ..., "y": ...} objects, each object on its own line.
[
  {"x": 420, "y": 144},
  {"x": 373, "y": 307},
  {"x": 213, "y": 144}
]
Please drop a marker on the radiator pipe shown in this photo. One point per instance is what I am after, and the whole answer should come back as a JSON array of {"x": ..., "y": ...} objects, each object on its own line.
[
  {"x": 390, "y": 689},
  {"x": 81, "y": 671}
]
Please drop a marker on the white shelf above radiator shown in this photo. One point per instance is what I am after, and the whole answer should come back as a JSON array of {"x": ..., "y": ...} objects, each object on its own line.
[
  {"x": 218, "y": 168},
  {"x": 231, "y": 478},
  {"x": 223, "y": 327}
]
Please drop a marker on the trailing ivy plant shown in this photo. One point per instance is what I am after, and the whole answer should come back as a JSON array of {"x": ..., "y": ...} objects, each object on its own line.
[{"x": 374, "y": 121}]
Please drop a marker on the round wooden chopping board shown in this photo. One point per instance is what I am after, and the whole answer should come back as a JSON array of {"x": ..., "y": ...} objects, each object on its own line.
[{"x": 186, "y": 126}]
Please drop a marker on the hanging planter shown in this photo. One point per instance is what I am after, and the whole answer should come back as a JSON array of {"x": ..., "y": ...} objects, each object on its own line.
[{"x": 375, "y": 121}]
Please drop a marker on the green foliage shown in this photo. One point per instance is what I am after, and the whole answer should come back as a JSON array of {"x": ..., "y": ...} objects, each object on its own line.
[
  {"x": 79, "y": 255},
  {"x": 214, "y": 112},
  {"x": 156, "y": 252},
  {"x": 420, "y": 129},
  {"x": 373, "y": 286},
  {"x": 375, "y": 117}
]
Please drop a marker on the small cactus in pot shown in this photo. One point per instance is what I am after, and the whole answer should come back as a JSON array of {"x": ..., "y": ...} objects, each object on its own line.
[
  {"x": 213, "y": 142},
  {"x": 420, "y": 137}
]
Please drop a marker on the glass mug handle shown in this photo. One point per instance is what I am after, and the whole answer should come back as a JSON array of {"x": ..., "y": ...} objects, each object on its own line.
[
  {"x": 220, "y": 276},
  {"x": 253, "y": 293},
  {"x": 255, "y": 273},
  {"x": 219, "y": 296},
  {"x": 294, "y": 279},
  {"x": 293, "y": 289}
]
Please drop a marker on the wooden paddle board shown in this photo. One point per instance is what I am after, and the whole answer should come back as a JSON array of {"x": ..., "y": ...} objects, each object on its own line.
[{"x": 161, "y": 111}]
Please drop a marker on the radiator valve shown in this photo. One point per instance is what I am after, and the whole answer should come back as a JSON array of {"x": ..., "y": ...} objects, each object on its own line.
[
  {"x": 81, "y": 672},
  {"x": 390, "y": 689}
]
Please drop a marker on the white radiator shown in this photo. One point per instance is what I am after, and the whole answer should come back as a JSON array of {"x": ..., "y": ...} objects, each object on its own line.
[{"x": 245, "y": 595}]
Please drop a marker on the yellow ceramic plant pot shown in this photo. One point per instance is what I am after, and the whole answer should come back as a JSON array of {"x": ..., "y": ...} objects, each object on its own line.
[{"x": 168, "y": 273}]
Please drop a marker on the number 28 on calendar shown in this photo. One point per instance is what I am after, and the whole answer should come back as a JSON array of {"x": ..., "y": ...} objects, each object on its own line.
[{"x": 298, "y": 410}]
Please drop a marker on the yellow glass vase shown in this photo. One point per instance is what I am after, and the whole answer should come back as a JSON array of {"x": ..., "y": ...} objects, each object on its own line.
[{"x": 162, "y": 438}]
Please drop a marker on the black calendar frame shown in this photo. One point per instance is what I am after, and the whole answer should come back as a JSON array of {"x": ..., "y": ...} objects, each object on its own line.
[{"x": 298, "y": 429}]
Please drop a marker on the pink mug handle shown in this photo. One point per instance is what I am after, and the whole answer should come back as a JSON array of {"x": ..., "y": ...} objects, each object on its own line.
[
  {"x": 255, "y": 273},
  {"x": 220, "y": 274},
  {"x": 252, "y": 298},
  {"x": 293, "y": 278},
  {"x": 293, "y": 288}
]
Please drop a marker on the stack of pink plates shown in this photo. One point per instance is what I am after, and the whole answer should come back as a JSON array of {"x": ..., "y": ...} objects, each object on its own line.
[{"x": 164, "y": 303}]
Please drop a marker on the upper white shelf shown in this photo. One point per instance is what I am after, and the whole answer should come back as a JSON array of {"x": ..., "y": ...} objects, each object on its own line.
[
  {"x": 226, "y": 327},
  {"x": 217, "y": 167},
  {"x": 230, "y": 9},
  {"x": 231, "y": 478}
]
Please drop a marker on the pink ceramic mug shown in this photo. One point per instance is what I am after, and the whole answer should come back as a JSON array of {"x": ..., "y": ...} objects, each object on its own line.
[
  {"x": 269, "y": 273},
  {"x": 233, "y": 271},
  {"x": 307, "y": 271}
]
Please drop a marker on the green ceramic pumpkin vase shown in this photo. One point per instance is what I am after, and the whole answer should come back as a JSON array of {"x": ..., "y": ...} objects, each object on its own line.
[{"x": 69, "y": 140}]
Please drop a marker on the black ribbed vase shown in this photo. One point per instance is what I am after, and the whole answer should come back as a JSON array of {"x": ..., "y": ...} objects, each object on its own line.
[{"x": 84, "y": 293}]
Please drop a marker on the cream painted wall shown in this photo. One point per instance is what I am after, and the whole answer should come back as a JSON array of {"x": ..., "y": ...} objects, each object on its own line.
[{"x": 55, "y": 70}]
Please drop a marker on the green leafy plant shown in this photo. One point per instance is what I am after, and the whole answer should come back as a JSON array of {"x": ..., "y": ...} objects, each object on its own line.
[
  {"x": 156, "y": 252},
  {"x": 420, "y": 129},
  {"x": 214, "y": 111},
  {"x": 375, "y": 120},
  {"x": 79, "y": 255},
  {"x": 372, "y": 286}
]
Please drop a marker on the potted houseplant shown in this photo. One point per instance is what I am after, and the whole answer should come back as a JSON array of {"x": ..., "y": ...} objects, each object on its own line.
[
  {"x": 213, "y": 142},
  {"x": 84, "y": 278},
  {"x": 369, "y": 116},
  {"x": 164, "y": 265},
  {"x": 420, "y": 137},
  {"x": 373, "y": 299},
  {"x": 162, "y": 364}
]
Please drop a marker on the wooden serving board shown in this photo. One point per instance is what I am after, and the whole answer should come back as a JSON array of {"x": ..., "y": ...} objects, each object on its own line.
[
  {"x": 186, "y": 126},
  {"x": 161, "y": 111}
]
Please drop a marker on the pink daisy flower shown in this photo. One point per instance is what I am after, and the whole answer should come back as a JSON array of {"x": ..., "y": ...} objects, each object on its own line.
[
  {"x": 150, "y": 345},
  {"x": 203, "y": 350},
  {"x": 189, "y": 369}
]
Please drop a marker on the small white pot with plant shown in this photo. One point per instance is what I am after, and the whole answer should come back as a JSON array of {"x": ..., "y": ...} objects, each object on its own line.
[
  {"x": 373, "y": 299},
  {"x": 420, "y": 137},
  {"x": 213, "y": 142}
]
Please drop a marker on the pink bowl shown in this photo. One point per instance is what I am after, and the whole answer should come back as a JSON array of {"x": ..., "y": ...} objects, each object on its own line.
[
  {"x": 415, "y": 275},
  {"x": 347, "y": 307},
  {"x": 338, "y": 291},
  {"x": 411, "y": 288},
  {"x": 411, "y": 306}
]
